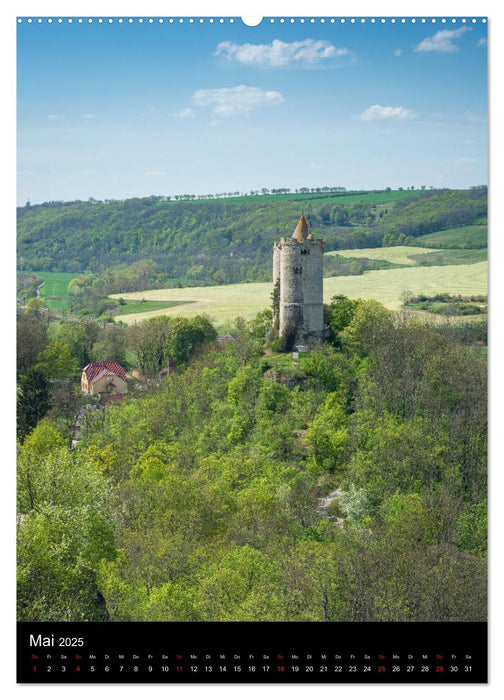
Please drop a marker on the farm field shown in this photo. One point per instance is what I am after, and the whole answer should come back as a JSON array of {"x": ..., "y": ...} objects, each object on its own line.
[
  {"x": 465, "y": 235},
  {"x": 224, "y": 303},
  {"x": 134, "y": 307},
  {"x": 414, "y": 255},
  {"x": 55, "y": 285},
  {"x": 373, "y": 197},
  {"x": 456, "y": 256},
  {"x": 400, "y": 254}
]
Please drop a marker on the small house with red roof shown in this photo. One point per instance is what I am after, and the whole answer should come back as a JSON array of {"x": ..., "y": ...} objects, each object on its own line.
[{"x": 104, "y": 378}]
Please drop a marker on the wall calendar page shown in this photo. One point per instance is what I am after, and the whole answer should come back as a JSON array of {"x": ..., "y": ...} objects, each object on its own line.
[{"x": 252, "y": 349}]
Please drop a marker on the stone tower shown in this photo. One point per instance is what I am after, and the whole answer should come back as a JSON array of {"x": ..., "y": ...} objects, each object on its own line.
[{"x": 298, "y": 265}]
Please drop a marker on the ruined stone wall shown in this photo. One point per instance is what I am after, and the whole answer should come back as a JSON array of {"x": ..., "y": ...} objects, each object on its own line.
[{"x": 276, "y": 262}]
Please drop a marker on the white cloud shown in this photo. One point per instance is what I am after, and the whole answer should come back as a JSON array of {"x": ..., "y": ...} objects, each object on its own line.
[
  {"x": 379, "y": 113},
  {"x": 242, "y": 99},
  {"x": 482, "y": 42},
  {"x": 280, "y": 53},
  {"x": 442, "y": 41},
  {"x": 472, "y": 116},
  {"x": 464, "y": 161},
  {"x": 87, "y": 116},
  {"x": 156, "y": 173},
  {"x": 185, "y": 113},
  {"x": 397, "y": 52},
  {"x": 55, "y": 117}
]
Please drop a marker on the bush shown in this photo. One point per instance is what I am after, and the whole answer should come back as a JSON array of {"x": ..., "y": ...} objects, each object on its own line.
[
  {"x": 279, "y": 345},
  {"x": 285, "y": 342}
]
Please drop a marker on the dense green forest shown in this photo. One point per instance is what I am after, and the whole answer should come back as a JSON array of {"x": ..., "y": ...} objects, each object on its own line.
[
  {"x": 202, "y": 498},
  {"x": 227, "y": 240}
]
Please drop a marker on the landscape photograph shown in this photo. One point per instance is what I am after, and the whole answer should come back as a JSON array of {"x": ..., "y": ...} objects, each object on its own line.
[{"x": 251, "y": 306}]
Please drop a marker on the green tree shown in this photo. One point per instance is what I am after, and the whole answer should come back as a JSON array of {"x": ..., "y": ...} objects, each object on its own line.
[
  {"x": 472, "y": 528},
  {"x": 369, "y": 327},
  {"x": 148, "y": 341},
  {"x": 396, "y": 455},
  {"x": 260, "y": 326},
  {"x": 186, "y": 335},
  {"x": 32, "y": 401},
  {"x": 111, "y": 345},
  {"x": 44, "y": 439},
  {"x": 320, "y": 581},
  {"x": 245, "y": 585},
  {"x": 64, "y": 530},
  {"x": 80, "y": 338},
  {"x": 35, "y": 307},
  {"x": 56, "y": 580},
  {"x": 56, "y": 361},
  {"x": 330, "y": 371},
  {"x": 341, "y": 312},
  {"x": 329, "y": 437},
  {"x": 32, "y": 338}
]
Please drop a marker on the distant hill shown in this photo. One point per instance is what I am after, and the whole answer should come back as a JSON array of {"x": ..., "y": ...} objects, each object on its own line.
[{"x": 228, "y": 240}]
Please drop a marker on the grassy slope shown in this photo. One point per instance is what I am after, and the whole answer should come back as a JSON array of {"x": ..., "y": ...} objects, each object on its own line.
[
  {"x": 451, "y": 257},
  {"x": 400, "y": 254},
  {"x": 226, "y": 302},
  {"x": 477, "y": 235},
  {"x": 411, "y": 255}
]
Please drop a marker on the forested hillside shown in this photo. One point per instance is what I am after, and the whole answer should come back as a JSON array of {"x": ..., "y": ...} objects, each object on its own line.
[
  {"x": 227, "y": 240},
  {"x": 201, "y": 499}
]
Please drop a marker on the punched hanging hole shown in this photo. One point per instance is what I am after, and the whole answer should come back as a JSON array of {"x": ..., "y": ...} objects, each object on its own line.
[{"x": 252, "y": 21}]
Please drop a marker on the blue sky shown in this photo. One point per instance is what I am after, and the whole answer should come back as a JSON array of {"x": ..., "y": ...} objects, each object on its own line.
[{"x": 122, "y": 110}]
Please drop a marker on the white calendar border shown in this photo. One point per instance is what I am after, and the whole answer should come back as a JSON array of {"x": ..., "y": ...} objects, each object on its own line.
[{"x": 226, "y": 8}]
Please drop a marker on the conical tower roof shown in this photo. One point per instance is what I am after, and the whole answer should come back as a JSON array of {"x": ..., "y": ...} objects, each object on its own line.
[{"x": 301, "y": 232}]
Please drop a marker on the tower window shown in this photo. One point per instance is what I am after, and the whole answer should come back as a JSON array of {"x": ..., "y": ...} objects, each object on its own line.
[
  {"x": 297, "y": 270},
  {"x": 305, "y": 251}
]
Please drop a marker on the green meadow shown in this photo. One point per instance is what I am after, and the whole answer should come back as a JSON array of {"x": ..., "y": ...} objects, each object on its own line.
[
  {"x": 465, "y": 236},
  {"x": 308, "y": 198},
  {"x": 56, "y": 285},
  {"x": 456, "y": 256},
  {"x": 135, "y": 307},
  {"x": 399, "y": 254},
  {"x": 415, "y": 255}
]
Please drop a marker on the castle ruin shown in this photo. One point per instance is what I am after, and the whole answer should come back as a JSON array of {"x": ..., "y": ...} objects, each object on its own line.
[{"x": 297, "y": 269}]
